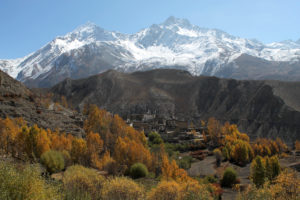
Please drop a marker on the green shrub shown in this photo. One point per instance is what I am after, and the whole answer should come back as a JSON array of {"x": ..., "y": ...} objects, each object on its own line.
[
  {"x": 229, "y": 177},
  {"x": 185, "y": 162},
  {"x": 138, "y": 170},
  {"x": 210, "y": 179},
  {"x": 155, "y": 138},
  {"x": 53, "y": 161},
  {"x": 82, "y": 183},
  {"x": 171, "y": 150},
  {"x": 24, "y": 182}
]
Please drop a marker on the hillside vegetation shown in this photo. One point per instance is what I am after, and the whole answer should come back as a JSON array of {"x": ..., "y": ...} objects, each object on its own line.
[{"x": 94, "y": 166}]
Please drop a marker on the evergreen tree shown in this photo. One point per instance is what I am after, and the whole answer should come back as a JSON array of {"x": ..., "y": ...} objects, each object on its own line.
[
  {"x": 258, "y": 171},
  {"x": 268, "y": 168},
  {"x": 275, "y": 167}
]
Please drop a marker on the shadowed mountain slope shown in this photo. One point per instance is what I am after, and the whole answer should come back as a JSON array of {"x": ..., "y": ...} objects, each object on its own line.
[
  {"x": 247, "y": 67},
  {"x": 260, "y": 108}
]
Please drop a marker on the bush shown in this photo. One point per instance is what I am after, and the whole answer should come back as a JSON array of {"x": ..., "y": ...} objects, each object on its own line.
[
  {"x": 166, "y": 190},
  {"x": 121, "y": 188},
  {"x": 53, "y": 161},
  {"x": 138, "y": 170},
  {"x": 255, "y": 193},
  {"x": 171, "y": 190},
  {"x": 195, "y": 191},
  {"x": 284, "y": 186},
  {"x": 82, "y": 183},
  {"x": 155, "y": 138},
  {"x": 229, "y": 177},
  {"x": 185, "y": 162},
  {"x": 24, "y": 182},
  {"x": 210, "y": 179}
]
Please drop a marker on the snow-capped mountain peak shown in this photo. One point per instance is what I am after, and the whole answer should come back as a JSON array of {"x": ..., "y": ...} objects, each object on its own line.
[
  {"x": 90, "y": 32},
  {"x": 88, "y": 27},
  {"x": 90, "y": 49},
  {"x": 172, "y": 21},
  {"x": 286, "y": 44}
]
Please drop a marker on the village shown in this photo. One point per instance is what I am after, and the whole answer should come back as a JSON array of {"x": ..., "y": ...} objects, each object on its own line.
[{"x": 171, "y": 130}]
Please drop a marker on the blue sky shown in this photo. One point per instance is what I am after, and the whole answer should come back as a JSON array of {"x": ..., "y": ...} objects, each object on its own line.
[{"x": 26, "y": 25}]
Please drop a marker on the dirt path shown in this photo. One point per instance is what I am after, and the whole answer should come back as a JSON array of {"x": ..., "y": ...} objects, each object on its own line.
[
  {"x": 243, "y": 175},
  {"x": 207, "y": 167},
  {"x": 229, "y": 194},
  {"x": 203, "y": 167},
  {"x": 292, "y": 162}
]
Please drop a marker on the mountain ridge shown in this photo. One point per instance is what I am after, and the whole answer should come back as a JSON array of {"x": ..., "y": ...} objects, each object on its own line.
[{"x": 175, "y": 43}]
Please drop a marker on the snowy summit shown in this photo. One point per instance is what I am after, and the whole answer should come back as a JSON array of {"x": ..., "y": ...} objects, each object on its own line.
[{"x": 174, "y": 43}]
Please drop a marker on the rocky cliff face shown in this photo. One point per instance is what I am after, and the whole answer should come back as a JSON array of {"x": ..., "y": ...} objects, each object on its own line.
[
  {"x": 260, "y": 108},
  {"x": 18, "y": 101},
  {"x": 10, "y": 86}
]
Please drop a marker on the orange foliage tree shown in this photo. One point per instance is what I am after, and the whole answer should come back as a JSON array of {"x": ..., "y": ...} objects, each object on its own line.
[
  {"x": 9, "y": 129},
  {"x": 79, "y": 151},
  {"x": 94, "y": 148},
  {"x": 125, "y": 143},
  {"x": 42, "y": 142},
  {"x": 236, "y": 145},
  {"x": 127, "y": 152},
  {"x": 214, "y": 131},
  {"x": 98, "y": 121},
  {"x": 33, "y": 141},
  {"x": 171, "y": 171},
  {"x": 61, "y": 141},
  {"x": 268, "y": 147}
]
